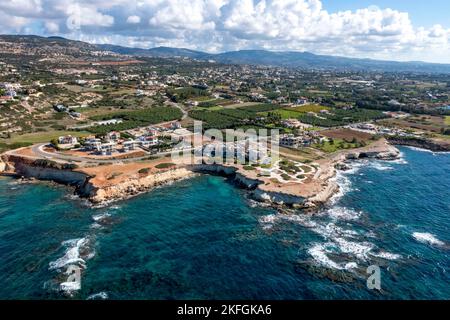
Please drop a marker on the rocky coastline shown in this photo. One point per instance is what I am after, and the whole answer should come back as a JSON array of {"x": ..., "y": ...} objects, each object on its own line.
[
  {"x": 422, "y": 143},
  {"x": 97, "y": 191}
]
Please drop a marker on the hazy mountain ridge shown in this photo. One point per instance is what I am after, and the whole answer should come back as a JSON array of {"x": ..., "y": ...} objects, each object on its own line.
[
  {"x": 36, "y": 45},
  {"x": 291, "y": 59}
]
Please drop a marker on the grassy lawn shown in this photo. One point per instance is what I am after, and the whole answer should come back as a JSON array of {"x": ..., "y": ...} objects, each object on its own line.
[
  {"x": 46, "y": 136},
  {"x": 447, "y": 120},
  {"x": 309, "y": 108},
  {"x": 288, "y": 114},
  {"x": 296, "y": 112},
  {"x": 5, "y": 147}
]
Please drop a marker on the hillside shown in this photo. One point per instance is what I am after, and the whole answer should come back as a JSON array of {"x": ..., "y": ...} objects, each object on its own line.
[{"x": 61, "y": 47}]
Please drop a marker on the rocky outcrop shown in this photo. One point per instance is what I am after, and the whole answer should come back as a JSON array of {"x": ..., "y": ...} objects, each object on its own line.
[
  {"x": 279, "y": 198},
  {"x": 30, "y": 168},
  {"x": 132, "y": 186},
  {"x": 432, "y": 145},
  {"x": 390, "y": 153},
  {"x": 99, "y": 190},
  {"x": 257, "y": 193}
]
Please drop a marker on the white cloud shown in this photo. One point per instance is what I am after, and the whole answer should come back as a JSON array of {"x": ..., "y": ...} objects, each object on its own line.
[
  {"x": 51, "y": 27},
  {"x": 218, "y": 25},
  {"x": 133, "y": 19}
]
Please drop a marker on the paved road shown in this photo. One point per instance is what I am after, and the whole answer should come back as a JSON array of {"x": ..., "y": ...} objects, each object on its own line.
[{"x": 38, "y": 150}]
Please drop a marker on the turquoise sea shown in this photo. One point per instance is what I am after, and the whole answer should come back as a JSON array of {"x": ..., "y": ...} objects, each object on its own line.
[{"x": 203, "y": 238}]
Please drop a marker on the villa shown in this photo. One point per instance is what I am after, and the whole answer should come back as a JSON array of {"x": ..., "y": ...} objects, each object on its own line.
[
  {"x": 68, "y": 140},
  {"x": 290, "y": 141},
  {"x": 113, "y": 136},
  {"x": 130, "y": 145},
  {"x": 107, "y": 148}
]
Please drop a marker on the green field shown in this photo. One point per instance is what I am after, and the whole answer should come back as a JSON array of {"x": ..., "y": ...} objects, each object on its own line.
[
  {"x": 288, "y": 114},
  {"x": 447, "y": 120},
  {"x": 338, "y": 144},
  {"x": 296, "y": 112},
  {"x": 215, "y": 108},
  {"x": 136, "y": 118},
  {"x": 309, "y": 108},
  {"x": 45, "y": 136}
]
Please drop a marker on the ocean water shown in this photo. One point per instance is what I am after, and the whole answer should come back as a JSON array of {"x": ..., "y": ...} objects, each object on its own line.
[{"x": 203, "y": 238}]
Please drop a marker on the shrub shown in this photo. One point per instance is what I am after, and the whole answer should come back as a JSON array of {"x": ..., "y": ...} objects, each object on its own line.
[
  {"x": 144, "y": 171},
  {"x": 165, "y": 165}
]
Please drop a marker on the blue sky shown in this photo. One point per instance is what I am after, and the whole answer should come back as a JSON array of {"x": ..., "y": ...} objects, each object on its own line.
[
  {"x": 424, "y": 13},
  {"x": 379, "y": 29}
]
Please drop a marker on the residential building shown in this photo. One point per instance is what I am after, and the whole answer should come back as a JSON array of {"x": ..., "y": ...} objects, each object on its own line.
[
  {"x": 113, "y": 136},
  {"x": 107, "y": 148},
  {"x": 68, "y": 140}
]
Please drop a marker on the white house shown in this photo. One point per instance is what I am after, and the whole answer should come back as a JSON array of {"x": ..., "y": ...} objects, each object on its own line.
[
  {"x": 113, "y": 136},
  {"x": 68, "y": 140}
]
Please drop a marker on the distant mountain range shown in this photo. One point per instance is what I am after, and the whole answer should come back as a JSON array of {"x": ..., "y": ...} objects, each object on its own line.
[
  {"x": 291, "y": 59},
  {"x": 286, "y": 59}
]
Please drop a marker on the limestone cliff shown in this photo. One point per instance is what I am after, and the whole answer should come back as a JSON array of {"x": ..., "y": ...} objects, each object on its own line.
[{"x": 132, "y": 186}]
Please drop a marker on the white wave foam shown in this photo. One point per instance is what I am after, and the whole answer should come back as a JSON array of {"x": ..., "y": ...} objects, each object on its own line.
[
  {"x": 101, "y": 217},
  {"x": 428, "y": 238},
  {"x": 70, "y": 286},
  {"x": 386, "y": 255},
  {"x": 343, "y": 213},
  {"x": 358, "y": 249},
  {"x": 268, "y": 221},
  {"x": 400, "y": 159},
  {"x": 419, "y": 149},
  {"x": 95, "y": 226},
  {"x": 98, "y": 296},
  {"x": 319, "y": 253},
  {"x": 345, "y": 186},
  {"x": 72, "y": 254},
  {"x": 380, "y": 166}
]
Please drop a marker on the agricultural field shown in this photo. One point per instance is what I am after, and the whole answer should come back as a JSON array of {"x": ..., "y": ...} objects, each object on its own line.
[
  {"x": 309, "y": 108},
  {"x": 242, "y": 105},
  {"x": 347, "y": 134},
  {"x": 183, "y": 94},
  {"x": 423, "y": 123},
  {"x": 135, "y": 119},
  {"x": 447, "y": 120},
  {"x": 339, "y": 117},
  {"x": 230, "y": 118}
]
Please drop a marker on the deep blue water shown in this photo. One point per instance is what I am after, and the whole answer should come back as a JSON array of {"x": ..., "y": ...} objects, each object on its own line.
[{"x": 203, "y": 239}]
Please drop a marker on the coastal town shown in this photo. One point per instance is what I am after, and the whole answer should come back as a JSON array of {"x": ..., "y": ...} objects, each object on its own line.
[
  {"x": 116, "y": 120},
  {"x": 219, "y": 158}
]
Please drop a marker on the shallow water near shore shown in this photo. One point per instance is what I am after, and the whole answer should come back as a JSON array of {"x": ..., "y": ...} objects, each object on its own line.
[{"x": 202, "y": 238}]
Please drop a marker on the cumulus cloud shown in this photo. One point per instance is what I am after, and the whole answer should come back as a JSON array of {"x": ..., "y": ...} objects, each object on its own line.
[
  {"x": 133, "y": 19},
  {"x": 220, "y": 25}
]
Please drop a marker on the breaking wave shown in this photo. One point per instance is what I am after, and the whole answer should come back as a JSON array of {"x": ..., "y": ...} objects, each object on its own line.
[
  {"x": 98, "y": 296},
  {"x": 428, "y": 238}
]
